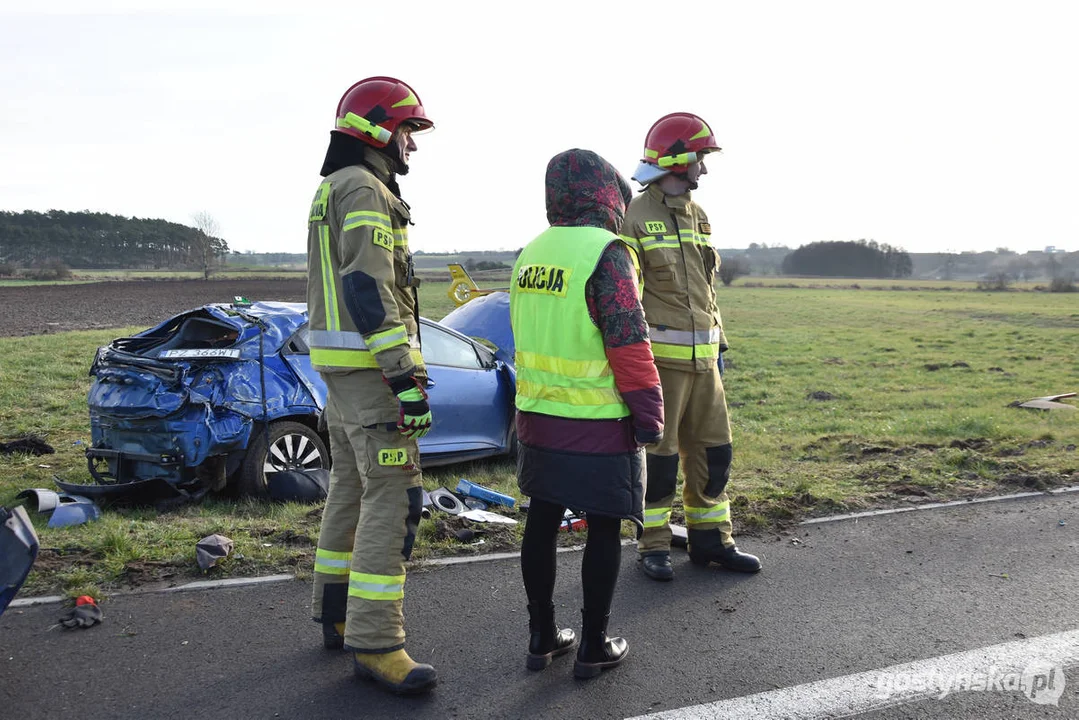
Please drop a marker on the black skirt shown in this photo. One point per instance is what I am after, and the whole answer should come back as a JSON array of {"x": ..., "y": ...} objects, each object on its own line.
[{"x": 612, "y": 485}]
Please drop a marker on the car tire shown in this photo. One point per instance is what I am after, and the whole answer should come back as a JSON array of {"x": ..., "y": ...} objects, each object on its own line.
[{"x": 292, "y": 445}]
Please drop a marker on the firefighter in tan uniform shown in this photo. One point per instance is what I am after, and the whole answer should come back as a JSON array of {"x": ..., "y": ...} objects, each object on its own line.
[
  {"x": 670, "y": 234},
  {"x": 364, "y": 341}
]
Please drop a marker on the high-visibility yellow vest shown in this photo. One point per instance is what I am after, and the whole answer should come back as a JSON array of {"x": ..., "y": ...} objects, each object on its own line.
[{"x": 562, "y": 368}]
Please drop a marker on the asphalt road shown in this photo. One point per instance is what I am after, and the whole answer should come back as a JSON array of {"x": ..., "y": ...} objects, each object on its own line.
[{"x": 834, "y": 600}]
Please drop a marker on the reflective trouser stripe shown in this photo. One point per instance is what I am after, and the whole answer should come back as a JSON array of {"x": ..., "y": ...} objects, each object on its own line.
[
  {"x": 705, "y": 515},
  {"x": 376, "y": 587},
  {"x": 329, "y": 286},
  {"x": 656, "y": 517},
  {"x": 332, "y": 562}
]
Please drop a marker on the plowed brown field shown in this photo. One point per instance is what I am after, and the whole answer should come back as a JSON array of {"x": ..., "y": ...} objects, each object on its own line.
[{"x": 40, "y": 309}]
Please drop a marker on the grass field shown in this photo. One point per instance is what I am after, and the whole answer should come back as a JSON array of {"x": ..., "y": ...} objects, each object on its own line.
[{"x": 840, "y": 399}]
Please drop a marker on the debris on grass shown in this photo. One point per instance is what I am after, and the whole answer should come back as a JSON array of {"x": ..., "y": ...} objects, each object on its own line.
[
  {"x": 212, "y": 549},
  {"x": 29, "y": 444}
]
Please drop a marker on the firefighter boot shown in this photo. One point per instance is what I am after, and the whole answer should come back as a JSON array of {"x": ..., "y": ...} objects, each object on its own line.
[
  {"x": 706, "y": 546},
  {"x": 333, "y": 635},
  {"x": 395, "y": 671},
  {"x": 597, "y": 652},
  {"x": 547, "y": 641},
  {"x": 657, "y": 565}
]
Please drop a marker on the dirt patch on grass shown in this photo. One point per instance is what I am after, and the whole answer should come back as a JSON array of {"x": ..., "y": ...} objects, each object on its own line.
[{"x": 41, "y": 309}]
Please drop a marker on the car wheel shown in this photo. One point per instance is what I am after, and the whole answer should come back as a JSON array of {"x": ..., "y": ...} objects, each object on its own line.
[{"x": 292, "y": 446}]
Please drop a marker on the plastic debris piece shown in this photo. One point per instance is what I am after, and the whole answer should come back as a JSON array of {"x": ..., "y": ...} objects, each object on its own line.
[
  {"x": 211, "y": 549},
  {"x": 44, "y": 500},
  {"x": 487, "y": 516},
  {"x": 446, "y": 501},
  {"x": 73, "y": 510},
  {"x": 471, "y": 489},
  {"x": 1049, "y": 402}
]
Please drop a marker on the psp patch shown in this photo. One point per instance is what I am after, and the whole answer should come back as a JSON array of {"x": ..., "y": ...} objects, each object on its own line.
[
  {"x": 382, "y": 239},
  {"x": 392, "y": 457},
  {"x": 704, "y": 228},
  {"x": 655, "y": 227}
]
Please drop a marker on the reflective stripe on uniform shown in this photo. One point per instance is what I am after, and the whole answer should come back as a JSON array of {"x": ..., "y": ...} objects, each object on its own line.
[
  {"x": 350, "y": 358},
  {"x": 683, "y": 337},
  {"x": 580, "y": 397},
  {"x": 329, "y": 286},
  {"x": 377, "y": 342},
  {"x": 332, "y": 562},
  {"x": 369, "y": 218},
  {"x": 349, "y": 339},
  {"x": 376, "y": 587},
  {"x": 711, "y": 514},
  {"x": 400, "y": 237},
  {"x": 564, "y": 366},
  {"x": 692, "y": 237},
  {"x": 656, "y": 517},
  {"x": 657, "y": 242},
  {"x": 684, "y": 344}
]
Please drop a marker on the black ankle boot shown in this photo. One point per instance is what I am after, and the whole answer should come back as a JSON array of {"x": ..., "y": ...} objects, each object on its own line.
[
  {"x": 597, "y": 651},
  {"x": 547, "y": 641}
]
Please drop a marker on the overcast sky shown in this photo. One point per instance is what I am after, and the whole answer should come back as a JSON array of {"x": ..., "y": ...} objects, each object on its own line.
[{"x": 929, "y": 125}]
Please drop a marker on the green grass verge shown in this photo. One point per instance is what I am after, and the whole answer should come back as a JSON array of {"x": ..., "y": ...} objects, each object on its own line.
[{"x": 840, "y": 400}]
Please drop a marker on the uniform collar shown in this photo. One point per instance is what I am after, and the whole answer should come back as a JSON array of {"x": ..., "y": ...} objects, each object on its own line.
[
  {"x": 379, "y": 164},
  {"x": 675, "y": 202}
]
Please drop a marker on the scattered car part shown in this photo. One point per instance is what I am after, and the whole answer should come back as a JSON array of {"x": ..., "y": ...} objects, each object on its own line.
[
  {"x": 487, "y": 516},
  {"x": 73, "y": 510},
  {"x": 18, "y": 550},
  {"x": 446, "y": 501},
  {"x": 286, "y": 446},
  {"x": 299, "y": 485},
  {"x": 211, "y": 549},
  {"x": 679, "y": 536},
  {"x": 45, "y": 500},
  {"x": 156, "y": 491},
  {"x": 1049, "y": 402},
  {"x": 475, "y": 504},
  {"x": 470, "y": 489}
]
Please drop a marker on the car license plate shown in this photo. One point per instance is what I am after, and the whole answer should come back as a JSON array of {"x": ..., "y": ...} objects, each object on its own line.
[{"x": 202, "y": 353}]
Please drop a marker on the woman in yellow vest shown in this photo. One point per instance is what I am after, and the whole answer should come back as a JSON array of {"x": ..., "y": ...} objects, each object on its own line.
[{"x": 588, "y": 399}]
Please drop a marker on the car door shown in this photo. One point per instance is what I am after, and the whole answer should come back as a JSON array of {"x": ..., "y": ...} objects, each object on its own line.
[{"x": 471, "y": 398}]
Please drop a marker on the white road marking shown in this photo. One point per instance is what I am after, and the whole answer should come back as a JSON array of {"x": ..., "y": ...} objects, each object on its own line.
[
  {"x": 864, "y": 692},
  {"x": 932, "y": 506}
]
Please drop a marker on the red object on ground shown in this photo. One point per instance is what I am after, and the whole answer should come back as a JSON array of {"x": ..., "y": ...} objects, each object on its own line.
[{"x": 84, "y": 600}]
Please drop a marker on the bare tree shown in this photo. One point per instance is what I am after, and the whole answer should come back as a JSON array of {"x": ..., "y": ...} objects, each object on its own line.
[
  {"x": 211, "y": 247},
  {"x": 732, "y": 268}
]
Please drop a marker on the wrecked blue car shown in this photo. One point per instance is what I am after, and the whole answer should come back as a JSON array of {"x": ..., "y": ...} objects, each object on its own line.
[{"x": 225, "y": 395}]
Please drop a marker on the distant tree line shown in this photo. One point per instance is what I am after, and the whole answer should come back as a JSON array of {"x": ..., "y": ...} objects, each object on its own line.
[
  {"x": 100, "y": 240},
  {"x": 859, "y": 259}
]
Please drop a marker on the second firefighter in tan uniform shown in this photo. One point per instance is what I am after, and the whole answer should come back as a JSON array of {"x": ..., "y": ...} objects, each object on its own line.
[
  {"x": 364, "y": 341},
  {"x": 670, "y": 234}
]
